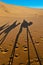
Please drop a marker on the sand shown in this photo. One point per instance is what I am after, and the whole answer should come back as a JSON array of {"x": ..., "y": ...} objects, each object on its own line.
[{"x": 14, "y": 21}]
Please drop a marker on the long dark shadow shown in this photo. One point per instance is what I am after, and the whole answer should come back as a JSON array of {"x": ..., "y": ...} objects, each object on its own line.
[
  {"x": 13, "y": 51},
  {"x": 23, "y": 25},
  {"x": 6, "y": 31},
  {"x": 34, "y": 48},
  {"x": 3, "y": 27},
  {"x": 28, "y": 48}
]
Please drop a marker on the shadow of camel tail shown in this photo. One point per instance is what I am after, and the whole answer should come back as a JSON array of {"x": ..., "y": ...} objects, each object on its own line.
[{"x": 34, "y": 47}]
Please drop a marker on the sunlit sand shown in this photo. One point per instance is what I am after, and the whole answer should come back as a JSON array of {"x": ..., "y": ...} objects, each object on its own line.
[{"x": 21, "y": 35}]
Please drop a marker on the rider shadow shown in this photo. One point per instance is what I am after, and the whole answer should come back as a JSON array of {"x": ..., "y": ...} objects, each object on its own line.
[
  {"x": 25, "y": 24},
  {"x": 6, "y": 31}
]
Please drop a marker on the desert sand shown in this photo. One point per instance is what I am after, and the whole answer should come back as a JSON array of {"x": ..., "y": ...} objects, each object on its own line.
[{"x": 21, "y": 35}]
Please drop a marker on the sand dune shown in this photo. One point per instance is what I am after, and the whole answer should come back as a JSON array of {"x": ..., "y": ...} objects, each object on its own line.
[
  {"x": 6, "y": 9},
  {"x": 21, "y": 35}
]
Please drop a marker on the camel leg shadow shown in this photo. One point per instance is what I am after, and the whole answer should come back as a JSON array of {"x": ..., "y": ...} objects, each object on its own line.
[
  {"x": 28, "y": 48},
  {"x": 13, "y": 51},
  {"x": 25, "y": 24},
  {"x": 34, "y": 47}
]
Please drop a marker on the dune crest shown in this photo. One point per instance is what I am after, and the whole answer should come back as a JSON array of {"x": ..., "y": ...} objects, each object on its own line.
[{"x": 6, "y": 9}]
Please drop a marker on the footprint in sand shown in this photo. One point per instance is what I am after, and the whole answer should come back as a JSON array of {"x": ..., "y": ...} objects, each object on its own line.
[
  {"x": 16, "y": 55},
  {"x": 17, "y": 45},
  {"x": 37, "y": 42},
  {"x": 25, "y": 48},
  {"x": 3, "y": 51}
]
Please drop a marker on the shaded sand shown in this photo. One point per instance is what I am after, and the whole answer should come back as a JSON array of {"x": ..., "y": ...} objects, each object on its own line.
[{"x": 13, "y": 33}]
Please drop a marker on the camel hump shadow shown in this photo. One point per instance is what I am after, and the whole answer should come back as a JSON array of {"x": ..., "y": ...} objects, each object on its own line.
[{"x": 25, "y": 24}]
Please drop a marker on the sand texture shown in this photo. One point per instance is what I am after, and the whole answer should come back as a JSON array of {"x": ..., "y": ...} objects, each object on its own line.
[{"x": 21, "y": 35}]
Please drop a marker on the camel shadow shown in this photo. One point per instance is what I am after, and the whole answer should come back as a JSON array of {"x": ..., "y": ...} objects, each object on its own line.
[
  {"x": 25, "y": 24},
  {"x": 6, "y": 31}
]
